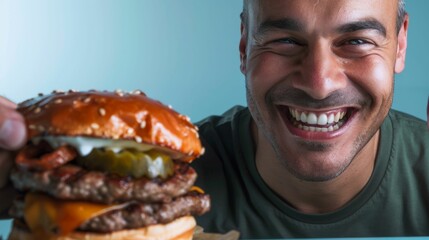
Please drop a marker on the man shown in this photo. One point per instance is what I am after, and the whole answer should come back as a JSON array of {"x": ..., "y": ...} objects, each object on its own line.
[{"x": 318, "y": 152}]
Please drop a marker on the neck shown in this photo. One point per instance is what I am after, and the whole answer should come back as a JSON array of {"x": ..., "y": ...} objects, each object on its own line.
[{"x": 314, "y": 197}]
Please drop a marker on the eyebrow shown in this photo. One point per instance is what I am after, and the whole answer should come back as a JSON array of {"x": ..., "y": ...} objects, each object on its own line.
[
  {"x": 294, "y": 25},
  {"x": 284, "y": 24},
  {"x": 363, "y": 25}
]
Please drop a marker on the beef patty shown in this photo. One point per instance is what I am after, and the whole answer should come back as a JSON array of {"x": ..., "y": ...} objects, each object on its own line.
[
  {"x": 75, "y": 183},
  {"x": 137, "y": 215}
]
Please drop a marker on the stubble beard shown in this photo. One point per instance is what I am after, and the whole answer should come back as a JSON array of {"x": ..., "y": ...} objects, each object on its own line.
[{"x": 316, "y": 174}]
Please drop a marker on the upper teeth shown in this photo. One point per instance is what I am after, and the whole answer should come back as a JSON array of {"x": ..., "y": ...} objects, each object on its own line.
[{"x": 317, "y": 118}]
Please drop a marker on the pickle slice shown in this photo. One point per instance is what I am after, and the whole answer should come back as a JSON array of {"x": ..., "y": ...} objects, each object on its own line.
[{"x": 129, "y": 162}]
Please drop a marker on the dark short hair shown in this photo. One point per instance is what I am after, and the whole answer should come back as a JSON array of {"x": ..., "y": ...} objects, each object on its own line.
[{"x": 399, "y": 19}]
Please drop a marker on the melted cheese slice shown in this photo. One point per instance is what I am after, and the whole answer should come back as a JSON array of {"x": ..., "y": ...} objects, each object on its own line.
[{"x": 47, "y": 216}]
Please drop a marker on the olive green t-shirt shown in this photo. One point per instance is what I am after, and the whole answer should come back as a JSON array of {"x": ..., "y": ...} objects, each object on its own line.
[{"x": 395, "y": 201}]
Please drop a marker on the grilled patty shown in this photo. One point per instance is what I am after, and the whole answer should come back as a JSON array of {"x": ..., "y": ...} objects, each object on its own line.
[
  {"x": 137, "y": 215},
  {"x": 75, "y": 183}
]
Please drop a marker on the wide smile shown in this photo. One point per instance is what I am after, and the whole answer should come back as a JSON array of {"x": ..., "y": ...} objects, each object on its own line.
[{"x": 316, "y": 124}]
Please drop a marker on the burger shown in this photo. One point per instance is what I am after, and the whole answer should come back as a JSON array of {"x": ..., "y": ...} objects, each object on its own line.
[{"x": 105, "y": 165}]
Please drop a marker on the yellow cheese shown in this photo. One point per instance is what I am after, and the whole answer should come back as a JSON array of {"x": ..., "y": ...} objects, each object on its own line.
[{"x": 47, "y": 216}]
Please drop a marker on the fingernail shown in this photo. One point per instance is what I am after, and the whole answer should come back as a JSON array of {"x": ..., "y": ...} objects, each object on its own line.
[{"x": 12, "y": 134}]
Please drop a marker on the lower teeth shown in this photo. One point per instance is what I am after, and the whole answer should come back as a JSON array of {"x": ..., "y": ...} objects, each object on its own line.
[{"x": 320, "y": 129}]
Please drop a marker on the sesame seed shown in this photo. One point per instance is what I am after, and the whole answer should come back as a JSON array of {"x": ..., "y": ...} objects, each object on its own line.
[
  {"x": 87, "y": 100},
  {"x": 130, "y": 131},
  {"x": 203, "y": 150},
  {"x": 136, "y": 92},
  {"x": 102, "y": 111},
  {"x": 58, "y": 101},
  {"x": 37, "y": 110},
  {"x": 95, "y": 125},
  {"x": 184, "y": 117},
  {"x": 88, "y": 131},
  {"x": 170, "y": 107},
  {"x": 196, "y": 132},
  {"x": 32, "y": 127},
  {"x": 143, "y": 124},
  {"x": 119, "y": 92},
  {"x": 138, "y": 139}
]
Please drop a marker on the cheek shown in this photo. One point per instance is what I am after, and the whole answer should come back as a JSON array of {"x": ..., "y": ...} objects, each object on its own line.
[
  {"x": 374, "y": 75},
  {"x": 264, "y": 71}
]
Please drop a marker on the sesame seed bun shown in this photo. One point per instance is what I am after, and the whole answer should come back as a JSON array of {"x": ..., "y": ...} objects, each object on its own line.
[{"x": 112, "y": 115}]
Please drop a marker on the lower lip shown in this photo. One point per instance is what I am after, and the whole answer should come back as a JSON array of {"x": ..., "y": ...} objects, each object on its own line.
[{"x": 312, "y": 135}]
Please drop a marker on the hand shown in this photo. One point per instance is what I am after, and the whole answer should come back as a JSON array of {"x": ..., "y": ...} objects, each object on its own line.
[{"x": 12, "y": 136}]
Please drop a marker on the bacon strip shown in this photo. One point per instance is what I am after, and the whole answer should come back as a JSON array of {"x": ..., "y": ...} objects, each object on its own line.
[{"x": 42, "y": 157}]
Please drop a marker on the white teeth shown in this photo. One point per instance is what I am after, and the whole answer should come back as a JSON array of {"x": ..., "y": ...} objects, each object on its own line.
[
  {"x": 320, "y": 129},
  {"x": 303, "y": 117},
  {"x": 331, "y": 118},
  {"x": 312, "y": 118},
  {"x": 337, "y": 117},
  {"x": 323, "y": 119}
]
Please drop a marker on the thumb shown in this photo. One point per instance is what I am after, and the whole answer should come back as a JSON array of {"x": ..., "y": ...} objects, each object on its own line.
[{"x": 12, "y": 130}]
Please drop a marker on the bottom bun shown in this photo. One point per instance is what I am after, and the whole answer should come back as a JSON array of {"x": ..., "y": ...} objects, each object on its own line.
[{"x": 181, "y": 228}]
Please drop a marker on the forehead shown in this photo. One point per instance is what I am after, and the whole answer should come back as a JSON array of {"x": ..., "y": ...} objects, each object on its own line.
[{"x": 322, "y": 14}]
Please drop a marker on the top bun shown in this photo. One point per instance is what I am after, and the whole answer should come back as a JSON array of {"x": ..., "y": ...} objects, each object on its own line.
[{"x": 112, "y": 115}]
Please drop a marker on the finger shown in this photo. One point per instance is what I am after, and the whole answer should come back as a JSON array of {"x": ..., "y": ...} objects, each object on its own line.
[
  {"x": 7, "y": 103},
  {"x": 12, "y": 129}
]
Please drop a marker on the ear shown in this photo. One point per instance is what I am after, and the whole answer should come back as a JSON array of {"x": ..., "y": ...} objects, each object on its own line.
[
  {"x": 242, "y": 47},
  {"x": 402, "y": 46}
]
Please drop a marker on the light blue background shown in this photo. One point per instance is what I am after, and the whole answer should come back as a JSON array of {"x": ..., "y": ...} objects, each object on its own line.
[{"x": 183, "y": 53}]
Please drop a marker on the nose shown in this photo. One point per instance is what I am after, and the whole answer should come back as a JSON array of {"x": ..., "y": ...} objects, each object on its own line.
[{"x": 321, "y": 72}]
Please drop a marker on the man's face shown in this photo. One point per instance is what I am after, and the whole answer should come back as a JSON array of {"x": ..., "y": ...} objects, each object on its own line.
[{"x": 319, "y": 78}]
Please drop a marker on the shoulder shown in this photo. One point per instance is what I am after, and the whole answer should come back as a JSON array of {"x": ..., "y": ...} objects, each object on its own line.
[
  {"x": 407, "y": 126},
  {"x": 226, "y": 118},
  {"x": 410, "y": 139},
  {"x": 220, "y": 127}
]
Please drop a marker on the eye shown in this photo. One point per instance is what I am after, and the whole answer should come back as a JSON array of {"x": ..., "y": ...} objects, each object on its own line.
[
  {"x": 287, "y": 41},
  {"x": 356, "y": 42},
  {"x": 282, "y": 44},
  {"x": 355, "y": 47}
]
